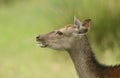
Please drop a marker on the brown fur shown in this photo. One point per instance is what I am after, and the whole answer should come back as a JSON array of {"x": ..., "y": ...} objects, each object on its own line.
[{"x": 74, "y": 40}]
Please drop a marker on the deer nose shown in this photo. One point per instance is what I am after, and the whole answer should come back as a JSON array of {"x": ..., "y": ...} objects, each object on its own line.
[{"x": 38, "y": 38}]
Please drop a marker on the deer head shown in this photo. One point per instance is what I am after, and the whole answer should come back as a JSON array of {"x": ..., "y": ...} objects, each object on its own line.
[{"x": 63, "y": 38}]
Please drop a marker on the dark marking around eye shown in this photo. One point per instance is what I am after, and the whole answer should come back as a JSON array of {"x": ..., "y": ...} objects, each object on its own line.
[{"x": 59, "y": 33}]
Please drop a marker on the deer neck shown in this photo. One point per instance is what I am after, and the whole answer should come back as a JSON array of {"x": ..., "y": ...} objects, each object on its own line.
[{"x": 83, "y": 59}]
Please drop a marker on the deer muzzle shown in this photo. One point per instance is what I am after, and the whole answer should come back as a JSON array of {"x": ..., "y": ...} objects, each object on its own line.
[{"x": 42, "y": 43}]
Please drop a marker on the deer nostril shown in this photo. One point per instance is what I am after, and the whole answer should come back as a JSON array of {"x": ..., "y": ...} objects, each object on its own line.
[{"x": 38, "y": 38}]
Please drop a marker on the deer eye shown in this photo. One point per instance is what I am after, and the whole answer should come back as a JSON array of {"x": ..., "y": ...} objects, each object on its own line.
[{"x": 59, "y": 33}]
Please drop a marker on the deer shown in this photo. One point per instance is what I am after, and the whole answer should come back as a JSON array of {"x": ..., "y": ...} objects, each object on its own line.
[{"x": 73, "y": 38}]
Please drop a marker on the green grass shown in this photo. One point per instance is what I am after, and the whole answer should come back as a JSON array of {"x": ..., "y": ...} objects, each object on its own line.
[
  {"x": 20, "y": 56},
  {"x": 21, "y": 22}
]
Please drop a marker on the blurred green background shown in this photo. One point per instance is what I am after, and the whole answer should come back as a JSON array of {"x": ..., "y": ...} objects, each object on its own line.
[{"x": 22, "y": 20}]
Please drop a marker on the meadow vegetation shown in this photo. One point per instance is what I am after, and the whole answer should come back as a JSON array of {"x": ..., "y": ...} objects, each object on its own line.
[{"x": 22, "y": 20}]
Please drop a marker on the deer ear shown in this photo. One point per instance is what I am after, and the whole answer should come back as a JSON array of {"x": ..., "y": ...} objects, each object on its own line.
[
  {"x": 77, "y": 22},
  {"x": 86, "y": 23},
  {"x": 85, "y": 26}
]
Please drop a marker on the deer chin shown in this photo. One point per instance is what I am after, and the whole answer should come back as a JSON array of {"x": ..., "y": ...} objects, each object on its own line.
[{"x": 42, "y": 44}]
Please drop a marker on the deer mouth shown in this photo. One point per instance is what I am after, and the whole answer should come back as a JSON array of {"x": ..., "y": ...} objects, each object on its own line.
[{"x": 42, "y": 44}]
